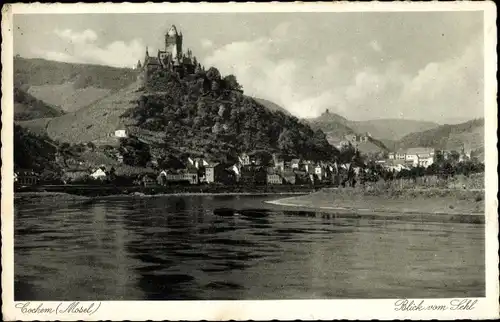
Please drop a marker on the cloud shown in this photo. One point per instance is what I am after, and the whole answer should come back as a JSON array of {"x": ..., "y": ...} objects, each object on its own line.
[
  {"x": 267, "y": 67},
  {"x": 82, "y": 47},
  {"x": 83, "y": 37},
  {"x": 206, "y": 43},
  {"x": 375, "y": 45}
]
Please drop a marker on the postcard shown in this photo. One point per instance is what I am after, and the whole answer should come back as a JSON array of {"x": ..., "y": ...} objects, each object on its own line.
[{"x": 248, "y": 161}]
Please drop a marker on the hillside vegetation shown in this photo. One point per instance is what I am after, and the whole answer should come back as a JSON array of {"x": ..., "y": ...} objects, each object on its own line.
[
  {"x": 207, "y": 114},
  {"x": 33, "y": 152},
  {"x": 337, "y": 127},
  {"x": 449, "y": 137},
  {"x": 27, "y": 107},
  {"x": 67, "y": 97}
]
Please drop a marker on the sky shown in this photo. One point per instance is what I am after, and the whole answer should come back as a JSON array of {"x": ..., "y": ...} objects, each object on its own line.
[{"x": 361, "y": 65}]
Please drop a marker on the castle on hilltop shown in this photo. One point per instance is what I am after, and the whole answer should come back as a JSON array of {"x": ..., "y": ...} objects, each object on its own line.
[{"x": 171, "y": 58}]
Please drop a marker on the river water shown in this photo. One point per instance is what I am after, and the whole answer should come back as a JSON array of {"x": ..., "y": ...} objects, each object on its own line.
[{"x": 235, "y": 248}]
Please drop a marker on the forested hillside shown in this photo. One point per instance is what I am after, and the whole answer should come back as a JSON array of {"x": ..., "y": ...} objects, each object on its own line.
[
  {"x": 33, "y": 152},
  {"x": 450, "y": 136}
]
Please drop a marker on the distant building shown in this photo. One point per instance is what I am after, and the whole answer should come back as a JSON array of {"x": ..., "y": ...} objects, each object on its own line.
[
  {"x": 356, "y": 138},
  {"x": 198, "y": 162},
  {"x": 395, "y": 165},
  {"x": 422, "y": 157}
]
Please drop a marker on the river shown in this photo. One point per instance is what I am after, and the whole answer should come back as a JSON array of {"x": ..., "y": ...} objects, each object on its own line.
[{"x": 187, "y": 248}]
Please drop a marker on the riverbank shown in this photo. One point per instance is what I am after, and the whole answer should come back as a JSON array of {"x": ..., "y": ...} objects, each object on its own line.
[
  {"x": 423, "y": 201},
  {"x": 107, "y": 190}
]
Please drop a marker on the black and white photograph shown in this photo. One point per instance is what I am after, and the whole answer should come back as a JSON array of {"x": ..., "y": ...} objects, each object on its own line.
[{"x": 180, "y": 156}]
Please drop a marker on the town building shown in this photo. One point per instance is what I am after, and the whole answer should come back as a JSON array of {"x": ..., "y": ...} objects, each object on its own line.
[
  {"x": 26, "y": 178},
  {"x": 216, "y": 172},
  {"x": 244, "y": 159},
  {"x": 422, "y": 157},
  {"x": 190, "y": 177},
  {"x": 274, "y": 178}
]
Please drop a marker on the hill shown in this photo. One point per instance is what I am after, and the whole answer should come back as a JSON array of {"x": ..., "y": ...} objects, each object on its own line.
[
  {"x": 391, "y": 129},
  {"x": 69, "y": 86},
  {"x": 449, "y": 137},
  {"x": 96, "y": 122},
  {"x": 336, "y": 128},
  {"x": 27, "y": 107},
  {"x": 206, "y": 114}
]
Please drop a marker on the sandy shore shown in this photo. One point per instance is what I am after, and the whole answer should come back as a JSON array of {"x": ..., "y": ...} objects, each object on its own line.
[{"x": 435, "y": 202}]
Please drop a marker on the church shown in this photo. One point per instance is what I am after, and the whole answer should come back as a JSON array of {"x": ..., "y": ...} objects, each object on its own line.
[{"x": 171, "y": 58}]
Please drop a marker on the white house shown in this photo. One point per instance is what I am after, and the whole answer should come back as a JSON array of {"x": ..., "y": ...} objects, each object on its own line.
[
  {"x": 121, "y": 133},
  {"x": 98, "y": 174}
]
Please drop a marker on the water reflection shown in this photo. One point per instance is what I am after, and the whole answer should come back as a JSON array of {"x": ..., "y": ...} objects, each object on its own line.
[{"x": 236, "y": 247}]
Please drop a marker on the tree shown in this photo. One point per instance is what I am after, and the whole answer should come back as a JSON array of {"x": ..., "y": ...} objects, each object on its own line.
[{"x": 286, "y": 141}]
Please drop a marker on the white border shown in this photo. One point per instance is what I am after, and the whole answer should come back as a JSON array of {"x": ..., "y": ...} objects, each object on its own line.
[{"x": 485, "y": 308}]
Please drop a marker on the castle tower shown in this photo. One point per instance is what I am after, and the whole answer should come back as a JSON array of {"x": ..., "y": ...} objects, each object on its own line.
[{"x": 173, "y": 44}]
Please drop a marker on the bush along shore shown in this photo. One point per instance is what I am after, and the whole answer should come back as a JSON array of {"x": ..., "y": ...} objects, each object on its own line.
[{"x": 395, "y": 201}]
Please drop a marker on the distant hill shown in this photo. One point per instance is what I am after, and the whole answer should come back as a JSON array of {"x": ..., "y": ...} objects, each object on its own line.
[
  {"x": 96, "y": 122},
  {"x": 69, "y": 86},
  {"x": 336, "y": 127},
  {"x": 450, "y": 137},
  {"x": 27, "y": 107},
  {"x": 391, "y": 129}
]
